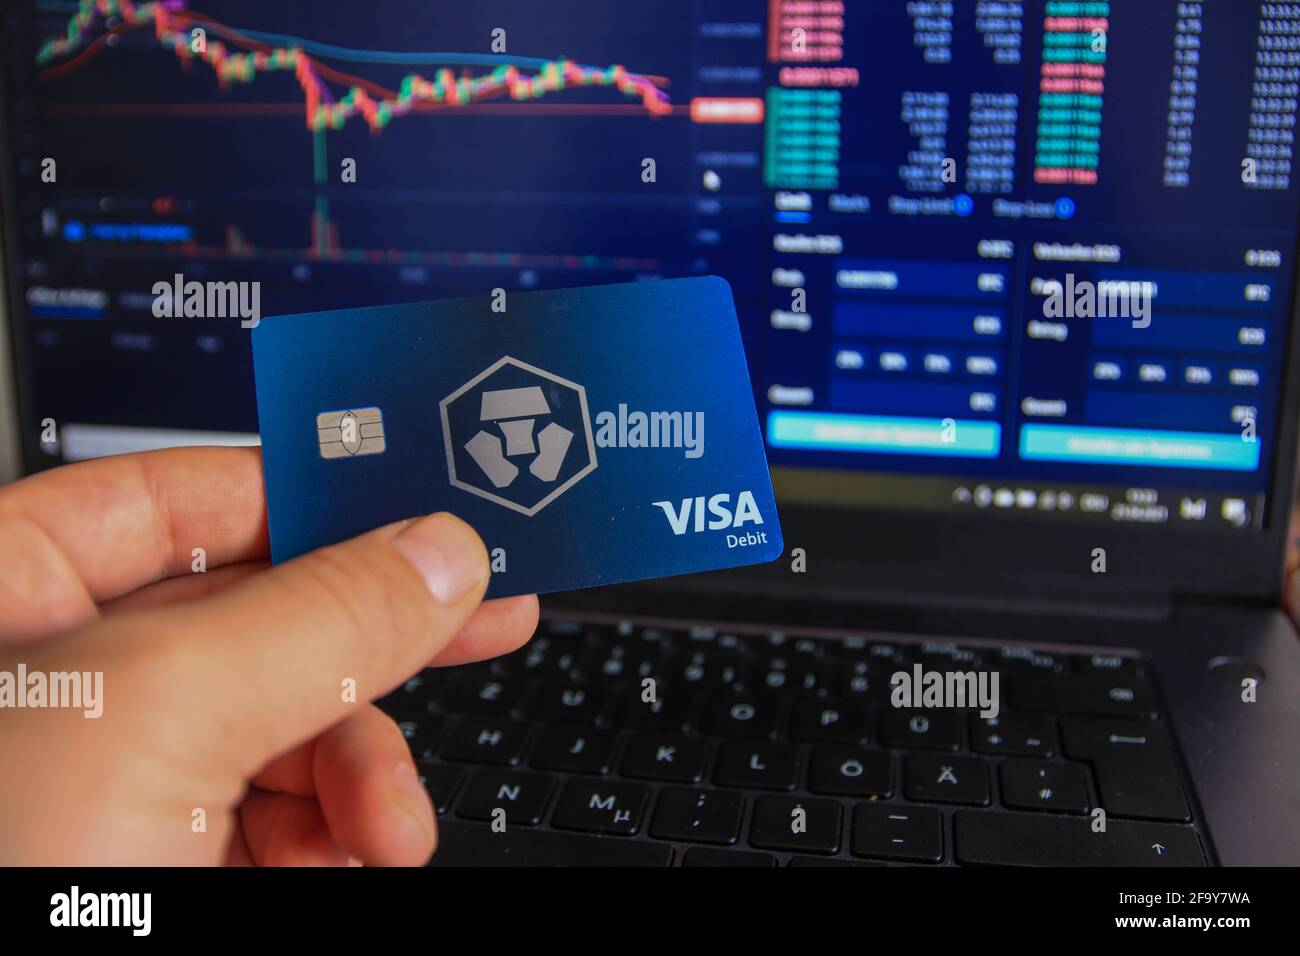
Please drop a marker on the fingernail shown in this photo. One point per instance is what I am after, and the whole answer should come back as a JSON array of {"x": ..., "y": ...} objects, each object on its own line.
[
  {"x": 447, "y": 553},
  {"x": 410, "y": 795}
]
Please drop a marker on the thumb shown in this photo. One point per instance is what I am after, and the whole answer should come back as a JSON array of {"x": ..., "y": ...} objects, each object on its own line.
[{"x": 265, "y": 665}]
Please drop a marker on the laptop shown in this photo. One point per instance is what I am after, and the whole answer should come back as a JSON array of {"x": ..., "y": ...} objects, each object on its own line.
[{"x": 1017, "y": 287}]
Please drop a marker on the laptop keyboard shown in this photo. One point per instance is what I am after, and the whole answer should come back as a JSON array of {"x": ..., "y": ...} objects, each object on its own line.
[{"x": 634, "y": 744}]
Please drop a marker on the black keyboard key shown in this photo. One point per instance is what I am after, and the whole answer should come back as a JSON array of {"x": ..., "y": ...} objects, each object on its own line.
[
  {"x": 1013, "y": 735},
  {"x": 421, "y": 734},
  {"x": 618, "y": 664},
  {"x": 888, "y": 654},
  {"x": 710, "y": 671},
  {"x": 1018, "y": 659},
  {"x": 740, "y": 716},
  {"x": 562, "y": 628},
  {"x": 522, "y": 796},
  {"x": 707, "y": 856},
  {"x": 669, "y": 711},
  {"x": 1134, "y": 765},
  {"x": 415, "y": 694},
  {"x": 475, "y": 844},
  {"x": 570, "y": 662},
  {"x": 846, "y": 648},
  {"x": 699, "y": 816},
  {"x": 539, "y": 657},
  {"x": 946, "y": 779},
  {"x": 757, "y": 764},
  {"x": 1118, "y": 695},
  {"x": 889, "y": 832},
  {"x": 947, "y": 656},
  {"x": 794, "y": 823},
  {"x": 664, "y": 757},
  {"x": 528, "y": 659},
  {"x": 724, "y": 641},
  {"x": 673, "y": 638},
  {"x": 554, "y": 701},
  {"x": 441, "y": 780},
  {"x": 662, "y": 638},
  {"x": 485, "y": 740},
  {"x": 920, "y": 729},
  {"x": 1039, "y": 839},
  {"x": 484, "y": 695},
  {"x": 772, "y": 646},
  {"x": 1108, "y": 664},
  {"x": 866, "y": 680},
  {"x": 851, "y": 773},
  {"x": 806, "y": 647},
  {"x": 830, "y": 722},
  {"x": 782, "y": 675},
  {"x": 574, "y": 750},
  {"x": 601, "y": 806},
  {"x": 1039, "y": 785}
]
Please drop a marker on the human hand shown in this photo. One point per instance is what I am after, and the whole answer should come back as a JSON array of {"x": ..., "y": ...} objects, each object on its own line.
[{"x": 222, "y": 692}]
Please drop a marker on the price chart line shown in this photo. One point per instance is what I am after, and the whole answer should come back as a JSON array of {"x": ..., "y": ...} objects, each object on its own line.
[
  {"x": 98, "y": 24},
  {"x": 376, "y": 104}
]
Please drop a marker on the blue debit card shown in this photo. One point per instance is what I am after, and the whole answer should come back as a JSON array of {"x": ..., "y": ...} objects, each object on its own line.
[{"x": 590, "y": 436}]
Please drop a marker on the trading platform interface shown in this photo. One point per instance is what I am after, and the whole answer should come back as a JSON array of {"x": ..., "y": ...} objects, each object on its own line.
[{"x": 1029, "y": 258}]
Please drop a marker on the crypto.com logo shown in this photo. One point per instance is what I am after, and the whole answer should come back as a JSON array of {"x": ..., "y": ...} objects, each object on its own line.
[{"x": 495, "y": 446}]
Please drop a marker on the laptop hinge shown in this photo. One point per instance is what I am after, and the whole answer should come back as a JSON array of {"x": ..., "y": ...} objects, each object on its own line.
[{"x": 917, "y": 609}]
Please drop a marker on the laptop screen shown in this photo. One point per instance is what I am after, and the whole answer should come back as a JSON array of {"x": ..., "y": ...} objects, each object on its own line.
[{"x": 1021, "y": 258}]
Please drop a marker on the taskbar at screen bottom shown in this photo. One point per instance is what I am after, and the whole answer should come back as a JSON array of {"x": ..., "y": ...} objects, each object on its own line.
[{"x": 1114, "y": 504}]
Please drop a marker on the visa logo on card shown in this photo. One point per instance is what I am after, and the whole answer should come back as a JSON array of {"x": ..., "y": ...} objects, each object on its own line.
[{"x": 591, "y": 436}]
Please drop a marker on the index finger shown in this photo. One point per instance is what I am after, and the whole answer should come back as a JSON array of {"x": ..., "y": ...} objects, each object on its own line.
[{"x": 89, "y": 532}]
